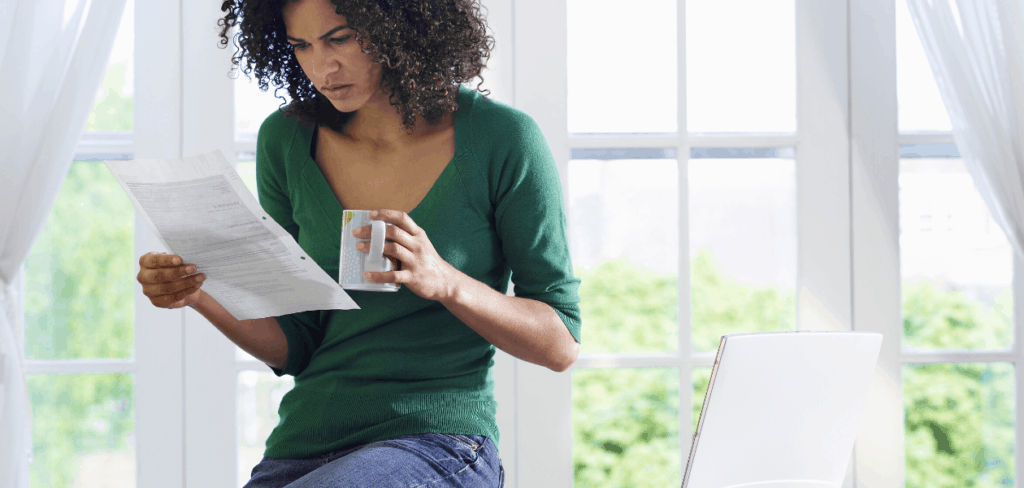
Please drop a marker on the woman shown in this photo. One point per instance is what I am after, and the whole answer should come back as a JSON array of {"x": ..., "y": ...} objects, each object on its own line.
[{"x": 399, "y": 392}]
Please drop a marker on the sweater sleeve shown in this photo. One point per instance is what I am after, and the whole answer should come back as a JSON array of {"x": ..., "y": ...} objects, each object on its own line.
[
  {"x": 530, "y": 219},
  {"x": 303, "y": 330}
]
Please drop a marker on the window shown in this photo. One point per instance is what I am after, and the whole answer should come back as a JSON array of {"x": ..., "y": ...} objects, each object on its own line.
[
  {"x": 639, "y": 186},
  {"x": 79, "y": 304}
]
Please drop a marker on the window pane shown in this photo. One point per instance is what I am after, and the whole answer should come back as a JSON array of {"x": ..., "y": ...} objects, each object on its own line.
[
  {"x": 80, "y": 273},
  {"x": 114, "y": 104},
  {"x": 956, "y": 262},
  {"x": 959, "y": 421},
  {"x": 259, "y": 396},
  {"x": 740, "y": 66},
  {"x": 742, "y": 247},
  {"x": 626, "y": 428},
  {"x": 622, "y": 66},
  {"x": 919, "y": 104},
  {"x": 252, "y": 106},
  {"x": 83, "y": 431},
  {"x": 624, "y": 236}
]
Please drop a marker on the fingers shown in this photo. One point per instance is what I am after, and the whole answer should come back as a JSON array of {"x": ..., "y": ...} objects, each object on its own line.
[
  {"x": 176, "y": 300},
  {"x": 400, "y": 276},
  {"x": 159, "y": 260},
  {"x": 391, "y": 233},
  {"x": 391, "y": 249},
  {"x": 166, "y": 281},
  {"x": 161, "y": 268},
  {"x": 157, "y": 290},
  {"x": 397, "y": 217},
  {"x": 165, "y": 275}
]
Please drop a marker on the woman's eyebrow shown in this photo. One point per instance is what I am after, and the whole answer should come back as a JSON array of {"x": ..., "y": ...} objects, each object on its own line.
[{"x": 332, "y": 31}]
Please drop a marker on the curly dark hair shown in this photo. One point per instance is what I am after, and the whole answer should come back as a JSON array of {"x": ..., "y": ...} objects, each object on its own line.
[{"x": 426, "y": 49}]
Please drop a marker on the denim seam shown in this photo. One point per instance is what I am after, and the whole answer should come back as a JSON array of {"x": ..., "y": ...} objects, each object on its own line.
[
  {"x": 451, "y": 475},
  {"x": 471, "y": 446}
]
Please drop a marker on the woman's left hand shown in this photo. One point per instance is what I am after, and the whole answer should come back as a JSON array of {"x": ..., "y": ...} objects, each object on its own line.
[{"x": 423, "y": 270}]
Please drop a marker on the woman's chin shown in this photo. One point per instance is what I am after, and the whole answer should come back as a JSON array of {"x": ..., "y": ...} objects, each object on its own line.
[{"x": 343, "y": 106}]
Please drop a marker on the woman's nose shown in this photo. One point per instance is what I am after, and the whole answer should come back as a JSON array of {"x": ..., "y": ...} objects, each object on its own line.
[{"x": 323, "y": 65}]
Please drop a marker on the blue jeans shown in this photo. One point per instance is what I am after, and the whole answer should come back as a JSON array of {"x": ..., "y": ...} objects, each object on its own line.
[{"x": 420, "y": 460}]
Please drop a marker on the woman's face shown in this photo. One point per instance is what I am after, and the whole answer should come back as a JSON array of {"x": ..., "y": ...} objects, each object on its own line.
[{"x": 330, "y": 56}]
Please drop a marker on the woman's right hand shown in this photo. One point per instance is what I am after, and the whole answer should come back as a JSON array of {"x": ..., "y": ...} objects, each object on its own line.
[{"x": 165, "y": 282}]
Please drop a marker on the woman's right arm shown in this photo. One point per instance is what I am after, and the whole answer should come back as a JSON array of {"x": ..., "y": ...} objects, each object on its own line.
[
  {"x": 263, "y": 338},
  {"x": 169, "y": 284}
]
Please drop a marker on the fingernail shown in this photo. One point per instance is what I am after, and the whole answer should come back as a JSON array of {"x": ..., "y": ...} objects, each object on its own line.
[
  {"x": 200, "y": 278},
  {"x": 366, "y": 275},
  {"x": 191, "y": 269},
  {"x": 373, "y": 213},
  {"x": 177, "y": 261}
]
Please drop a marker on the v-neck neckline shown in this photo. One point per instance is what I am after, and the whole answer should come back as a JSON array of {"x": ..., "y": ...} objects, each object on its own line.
[{"x": 316, "y": 178}]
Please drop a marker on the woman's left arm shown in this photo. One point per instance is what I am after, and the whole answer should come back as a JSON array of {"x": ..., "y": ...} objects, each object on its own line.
[{"x": 527, "y": 329}]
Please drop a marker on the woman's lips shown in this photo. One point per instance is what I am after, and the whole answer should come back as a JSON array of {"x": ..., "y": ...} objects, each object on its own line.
[{"x": 334, "y": 92}]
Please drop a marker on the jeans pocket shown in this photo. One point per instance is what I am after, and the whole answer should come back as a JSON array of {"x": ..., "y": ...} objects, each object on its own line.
[{"x": 464, "y": 440}]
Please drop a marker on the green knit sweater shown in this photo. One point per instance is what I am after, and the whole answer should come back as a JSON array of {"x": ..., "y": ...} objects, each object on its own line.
[{"x": 401, "y": 364}]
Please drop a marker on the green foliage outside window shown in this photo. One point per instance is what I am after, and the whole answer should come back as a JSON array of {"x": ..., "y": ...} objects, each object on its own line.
[
  {"x": 84, "y": 430},
  {"x": 958, "y": 418},
  {"x": 629, "y": 309},
  {"x": 113, "y": 111},
  {"x": 80, "y": 304}
]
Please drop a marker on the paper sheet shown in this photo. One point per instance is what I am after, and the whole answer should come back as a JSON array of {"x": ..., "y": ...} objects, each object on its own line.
[{"x": 202, "y": 211}]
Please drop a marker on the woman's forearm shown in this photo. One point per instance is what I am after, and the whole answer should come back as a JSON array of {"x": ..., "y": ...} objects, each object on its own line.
[
  {"x": 263, "y": 338},
  {"x": 527, "y": 329}
]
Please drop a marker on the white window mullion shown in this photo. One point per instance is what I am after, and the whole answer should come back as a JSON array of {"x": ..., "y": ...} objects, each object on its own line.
[
  {"x": 685, "y": 324},
  {"x": 242, "y": 147},
  {"x": 824, "y": 300},
  {"x": 499, "y": 80},
  {"x": 926, "y": 138},
  {"x": 544, "y": 397},
  {"x": 211, "y": 378},
  {"x": 159, "y": 385},
  {"x": 822, "y": 169},
  {"x": 598, "y": 141},
  {"x": 61, "y": 366},
  {"x": 879, "y": 450},
  {"x": 612, "y": 360},
  {"x": 105, "y": 142}
]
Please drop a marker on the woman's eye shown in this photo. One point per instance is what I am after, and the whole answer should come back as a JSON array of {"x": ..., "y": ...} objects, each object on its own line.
[
  {"x": 300, "y": 47},
  {"x": 339, "y": 40}
]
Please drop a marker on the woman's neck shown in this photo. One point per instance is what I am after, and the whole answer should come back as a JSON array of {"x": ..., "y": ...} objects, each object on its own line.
[{"x": 379, "y": 124}]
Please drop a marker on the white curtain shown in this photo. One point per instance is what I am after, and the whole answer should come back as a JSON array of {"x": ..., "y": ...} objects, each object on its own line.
[
  {"x": 53, "y": 55},
  {"x": 976, "y": 52}
]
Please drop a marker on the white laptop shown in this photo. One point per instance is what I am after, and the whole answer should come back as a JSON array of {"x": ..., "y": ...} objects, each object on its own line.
[{"x": 782, "y": 410}]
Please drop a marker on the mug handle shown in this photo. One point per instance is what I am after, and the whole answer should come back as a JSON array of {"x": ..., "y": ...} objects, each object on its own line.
[{"x": 375, "y": 258}]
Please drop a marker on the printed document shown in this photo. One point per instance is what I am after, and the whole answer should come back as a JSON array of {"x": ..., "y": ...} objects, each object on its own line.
[{"x": 202, "y": 211}]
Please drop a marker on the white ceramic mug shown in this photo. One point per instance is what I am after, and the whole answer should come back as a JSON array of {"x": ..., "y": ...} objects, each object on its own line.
[{"x": 353, "y": 263}]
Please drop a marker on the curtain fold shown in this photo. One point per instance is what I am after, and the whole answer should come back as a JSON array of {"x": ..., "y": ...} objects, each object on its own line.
[
  {"x": 976, "y": 51},
  {"x": 52, "y": 61}
]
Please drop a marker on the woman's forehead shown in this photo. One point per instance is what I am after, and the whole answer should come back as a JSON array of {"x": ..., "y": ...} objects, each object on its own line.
[{"x": 310, "y": 18}]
